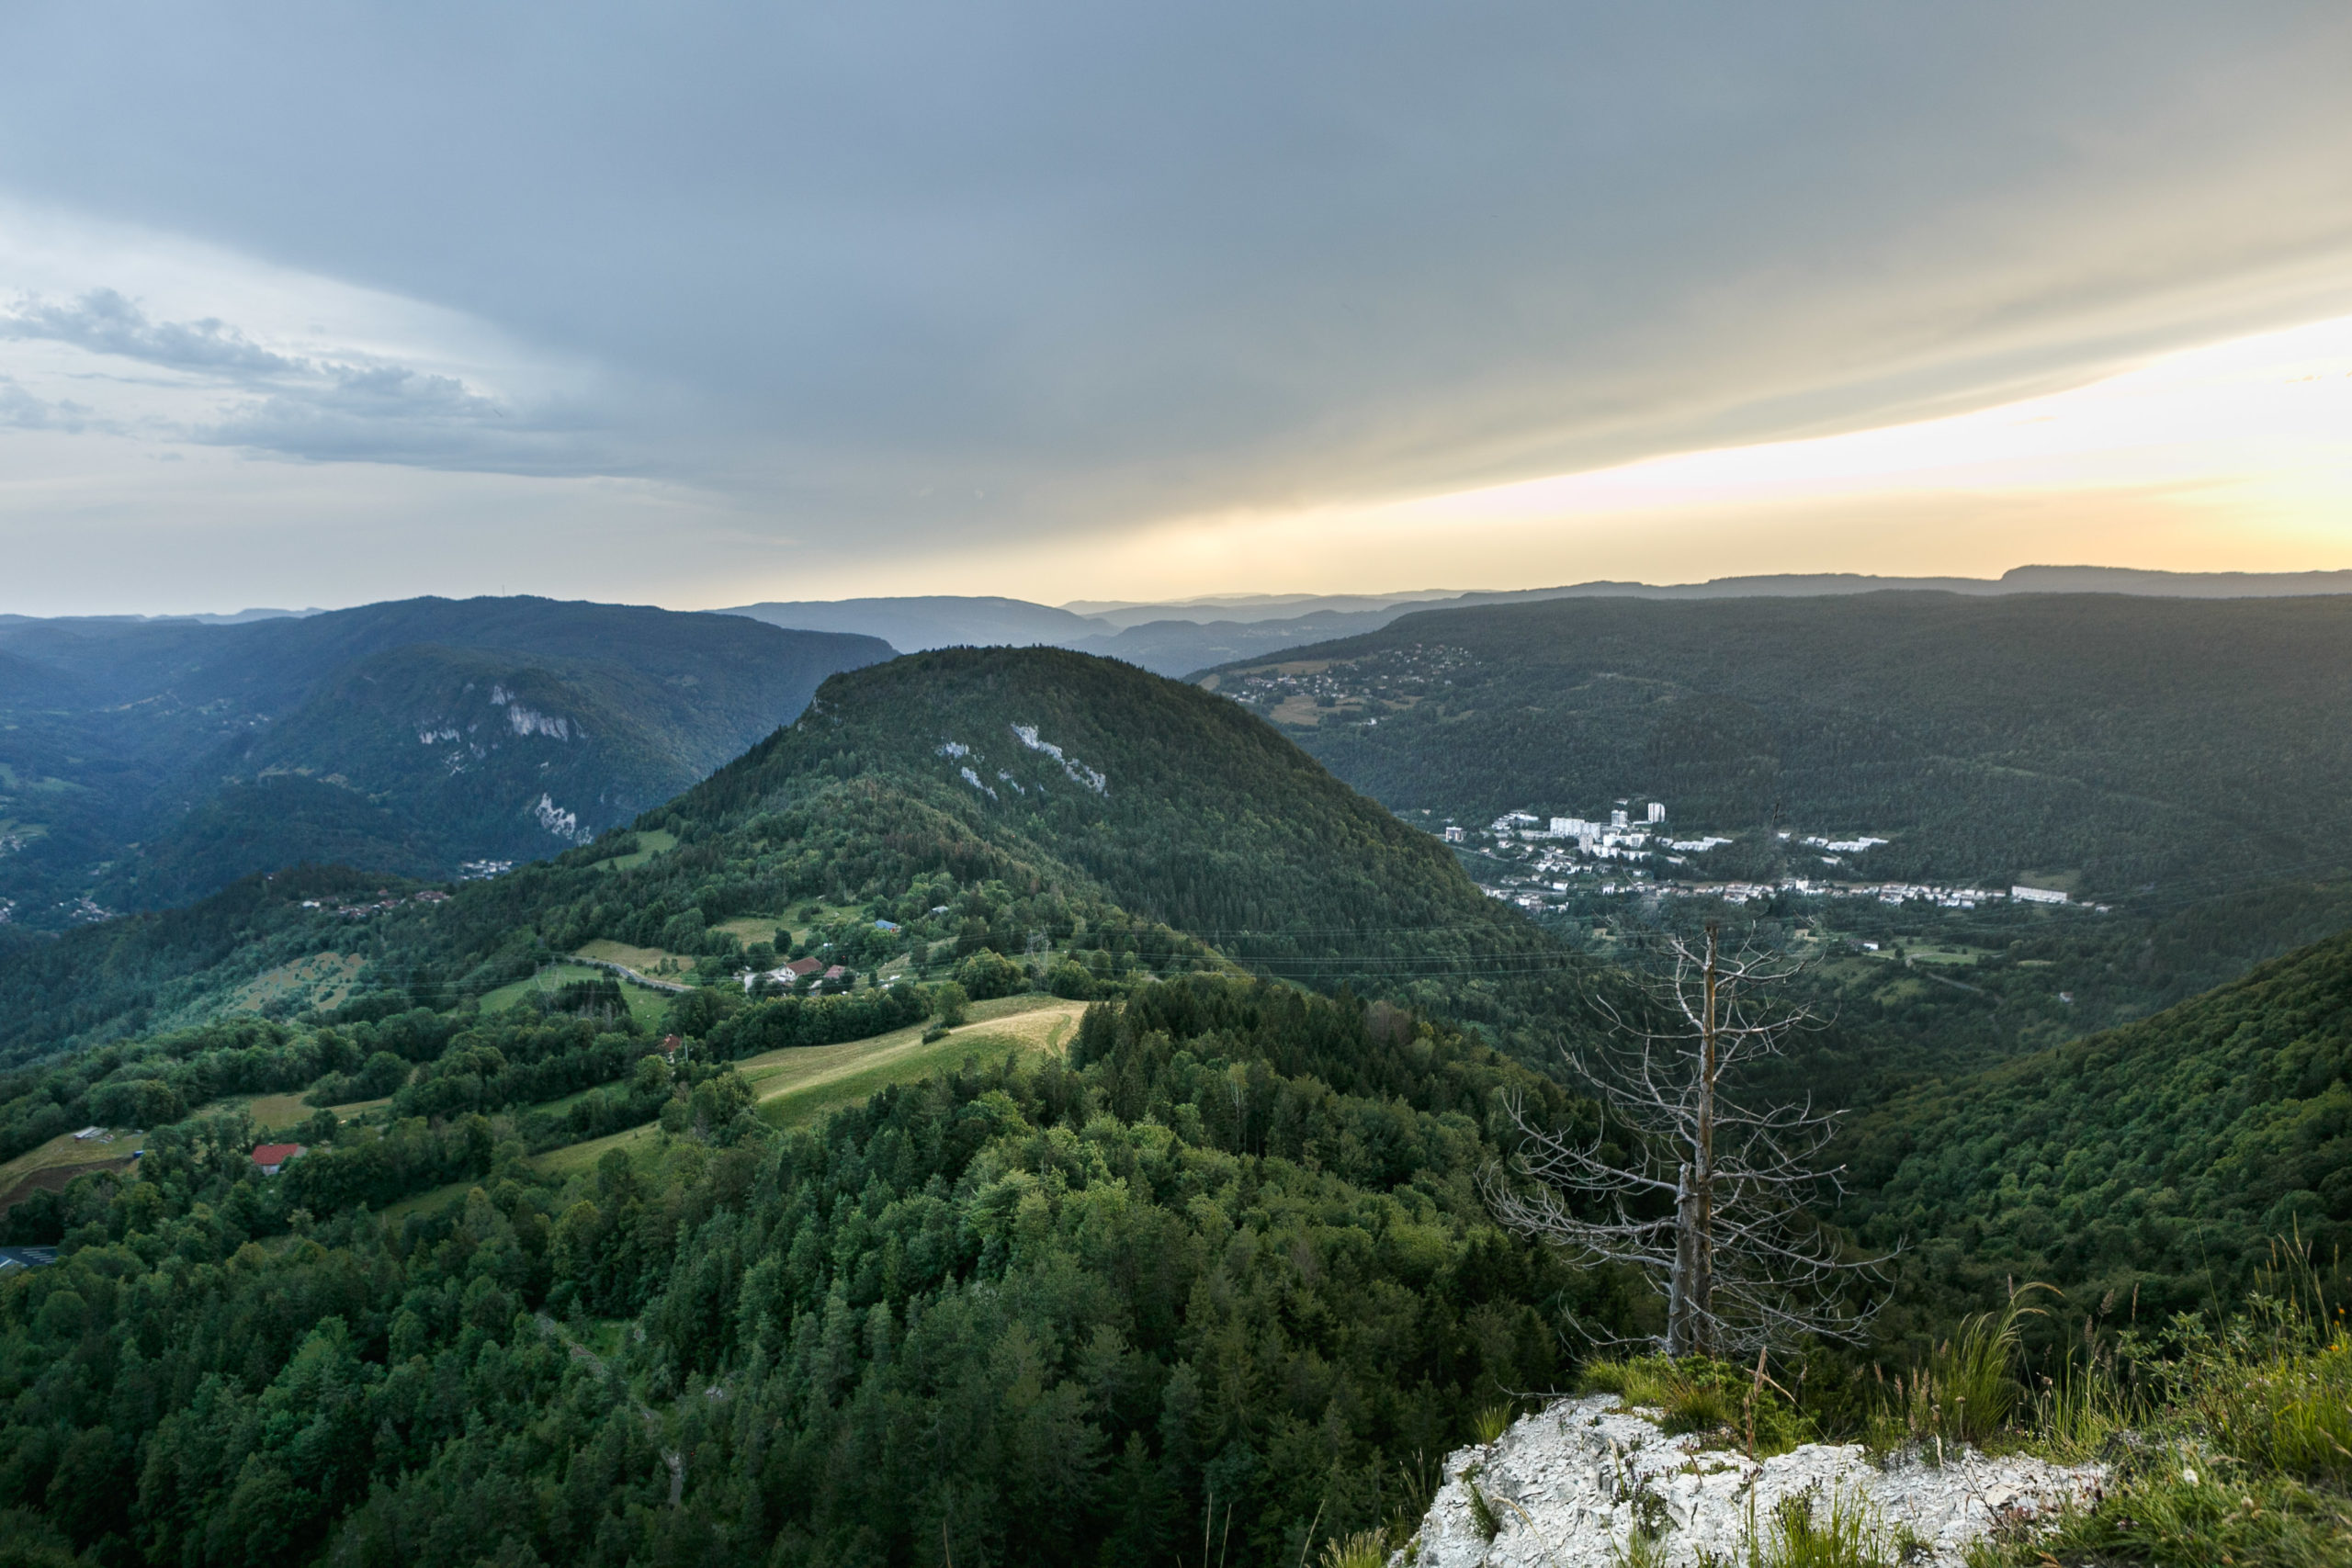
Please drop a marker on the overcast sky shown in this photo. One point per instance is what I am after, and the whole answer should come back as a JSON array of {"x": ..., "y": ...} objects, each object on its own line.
[{"x": 701, "y": 304}]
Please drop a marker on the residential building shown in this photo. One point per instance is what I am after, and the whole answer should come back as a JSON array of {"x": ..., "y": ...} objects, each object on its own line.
[{"x": 272, "y": 1157}]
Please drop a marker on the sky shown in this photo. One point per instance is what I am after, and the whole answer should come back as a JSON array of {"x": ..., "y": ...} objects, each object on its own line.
[{"x": 703, "y": 304}]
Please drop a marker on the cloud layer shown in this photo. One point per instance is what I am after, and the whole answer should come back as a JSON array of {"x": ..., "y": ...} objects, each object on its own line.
[{"x": 1019, "y": 278}]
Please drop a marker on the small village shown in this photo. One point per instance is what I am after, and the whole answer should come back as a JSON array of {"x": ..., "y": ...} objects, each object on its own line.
[
  {"x": 383, "y": 901},
  {"x": 1622, "y": 855}
]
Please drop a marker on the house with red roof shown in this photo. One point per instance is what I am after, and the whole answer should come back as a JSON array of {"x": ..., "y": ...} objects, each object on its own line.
[{"x": 272, "y": 1157}]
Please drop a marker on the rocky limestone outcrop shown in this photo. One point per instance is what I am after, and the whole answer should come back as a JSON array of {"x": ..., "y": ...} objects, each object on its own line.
[{"x": 1568, "y": 1487}]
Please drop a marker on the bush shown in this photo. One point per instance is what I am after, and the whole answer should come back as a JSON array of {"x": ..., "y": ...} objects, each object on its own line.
[
  {"x": 991, "y": 974},
  {"x": 1070, "y": 980}
]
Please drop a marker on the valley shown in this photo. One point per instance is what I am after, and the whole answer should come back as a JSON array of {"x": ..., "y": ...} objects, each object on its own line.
[
  {"x": 146, "y": 764},
  {"x": 1022, "y": 1045}
]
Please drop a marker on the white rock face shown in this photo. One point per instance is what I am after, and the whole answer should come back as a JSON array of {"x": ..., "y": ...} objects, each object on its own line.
[{"x": 1569, "y": 1485}]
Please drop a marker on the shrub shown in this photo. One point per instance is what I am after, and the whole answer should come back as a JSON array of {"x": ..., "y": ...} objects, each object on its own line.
[
  {"x": 1366, "y": 1548},
  {"x": 991, "y": 974},
  {"x": 1070, "y": 980}
]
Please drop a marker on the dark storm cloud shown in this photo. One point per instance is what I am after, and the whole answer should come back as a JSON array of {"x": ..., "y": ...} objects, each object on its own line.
[{"x": 1004, "y": 266}]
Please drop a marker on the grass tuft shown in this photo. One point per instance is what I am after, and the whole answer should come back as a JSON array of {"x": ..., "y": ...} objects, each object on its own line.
[
  {"x": 1802, "y": 1535},
  {"x": 1967, "y": 1390},
  {"x": 1697, "y": 1394},
  {"x": 1366, "y": 1548}
]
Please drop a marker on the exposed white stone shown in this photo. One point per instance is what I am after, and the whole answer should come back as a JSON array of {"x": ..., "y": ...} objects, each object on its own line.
[
  {"x": 1567, "y": 1486},
  {"x": 527, "y": 721},
  {"x": 1078, "y": 771},
  {"x": 557, "y": 820}
]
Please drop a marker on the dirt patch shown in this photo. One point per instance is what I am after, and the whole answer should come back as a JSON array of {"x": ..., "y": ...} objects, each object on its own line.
[{"x": 57, "y": 1179}]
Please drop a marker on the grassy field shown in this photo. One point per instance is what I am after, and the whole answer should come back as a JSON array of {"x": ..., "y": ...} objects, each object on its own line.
[
  {"x": 654, "y": 961},
  {"x": 657, "y": 842},
  {"x": 61, "y": 1150},
  {"x": 646, "y": 1007},
  {"x": 801, "y": 1083},
  {"x": 274, "y": 1110},
  {"x": 426, "y": 1203},
  {"x": 749, "y": 929}
]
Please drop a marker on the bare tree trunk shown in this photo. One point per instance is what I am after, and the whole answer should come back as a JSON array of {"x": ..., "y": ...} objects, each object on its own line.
[
  {"x": 1701, "y": 1219},
  {"x": 1679, "y": 1305},
  {"x": 1739, "y": 1261}
]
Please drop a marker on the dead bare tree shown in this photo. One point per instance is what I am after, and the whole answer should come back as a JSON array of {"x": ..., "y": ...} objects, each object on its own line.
[{"x": 1708, "y": 1199}]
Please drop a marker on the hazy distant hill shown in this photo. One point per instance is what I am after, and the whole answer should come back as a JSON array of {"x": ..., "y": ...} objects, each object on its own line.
[
  {"x": 1182, "y": 638},
  {"x": 401, "y": 737}
]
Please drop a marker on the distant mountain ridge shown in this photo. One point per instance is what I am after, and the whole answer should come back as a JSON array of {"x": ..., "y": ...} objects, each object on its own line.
[
  {"x": 148, "y": 762},
  {"x": 1185, "y": 638}
]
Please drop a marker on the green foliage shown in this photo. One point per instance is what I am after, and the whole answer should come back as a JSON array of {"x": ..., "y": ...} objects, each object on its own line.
[
  {"x": 2156, "y": 1161},
  {"x": 1967, "y": 1390},
  {"x": 1802, "y": 1533},
  {"x": 370, "y": 737},
  {"x": 2233, "y": 1447},
  {"x": 985, "y": 975},
  {"x": 1232, "y": 1249}
]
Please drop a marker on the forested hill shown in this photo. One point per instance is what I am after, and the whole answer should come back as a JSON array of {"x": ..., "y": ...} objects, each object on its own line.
[
  {"x": 401, "y": 737},
  {"x": 2160, "y": 1161},
  {"x": 537, "y": 1290},
  {"x": 2128, "y": 747},
  {"x": 1086, "y": 790},
  {"x": 1183, "y": 807}
]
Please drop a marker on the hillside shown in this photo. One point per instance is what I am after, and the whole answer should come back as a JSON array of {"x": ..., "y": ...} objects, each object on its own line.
[
  {"x": 2121, "y": 745},
  {"x": 1191, "y": 636},
  {"x": 2161, "y": 1160},
  {"x": 1114, "y": 805},
  {"x": 1181, "y": 808},
  {"x": 1219, "y": 1244},
  {"x": 402, "y": 737},
  {"x": 1150, "y": 1241}
]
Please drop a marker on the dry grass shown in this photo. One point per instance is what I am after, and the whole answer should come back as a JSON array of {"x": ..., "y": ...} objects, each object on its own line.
[
  {"x": 801, "y": 1083},
  {"x": 644, "y": 959},
  {"x": 274, "y": 1110}
]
